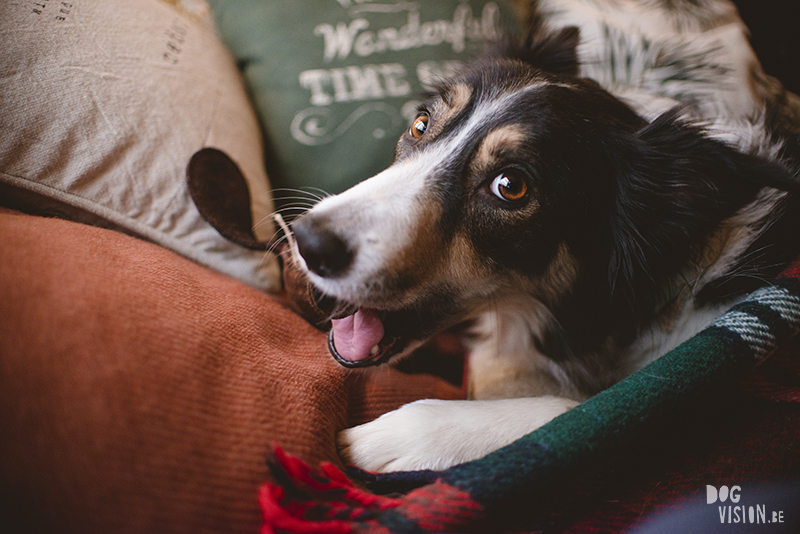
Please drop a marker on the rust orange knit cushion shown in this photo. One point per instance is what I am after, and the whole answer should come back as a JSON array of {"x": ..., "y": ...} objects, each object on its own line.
[{"x": 142, "y": 392}]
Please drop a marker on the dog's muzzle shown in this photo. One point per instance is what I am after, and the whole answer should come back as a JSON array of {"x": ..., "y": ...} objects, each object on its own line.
[
  {"x": 358, "y": 338},
  {"x": 324, "y": 252}
]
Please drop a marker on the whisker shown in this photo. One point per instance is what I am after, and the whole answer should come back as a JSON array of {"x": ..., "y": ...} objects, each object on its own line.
[
  {"x": 276, "y": 244},
  {"x": 286, "y": 232},
  {"x": 268, "y": 253},
  {"x": 296, "y": 205},
  {"x": 310, "y": 201},
  {"x": 283, "y": 210},
  {"x": 322, "y": 192},
  {"x": 291, "y": 208},
  {"x": 266, "y": 218},
  {"x": 314, "y": 196}
]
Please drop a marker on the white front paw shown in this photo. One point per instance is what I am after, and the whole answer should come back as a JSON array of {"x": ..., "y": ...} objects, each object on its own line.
[
  {"x": 436, "y": 434},
  {"x": 405, "y": 439}
]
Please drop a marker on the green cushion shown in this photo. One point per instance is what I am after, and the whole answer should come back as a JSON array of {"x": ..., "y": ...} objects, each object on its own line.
[{"x": 337, "y": 82}]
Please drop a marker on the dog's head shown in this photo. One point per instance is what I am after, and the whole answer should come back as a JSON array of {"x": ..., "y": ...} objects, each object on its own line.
[{"x": 517, "y": 182}]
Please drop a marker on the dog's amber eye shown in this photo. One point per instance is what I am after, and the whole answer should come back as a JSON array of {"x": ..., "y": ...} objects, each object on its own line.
[
  {"x": 509, "y": 186},
  {"x": 419, "y": 126}
]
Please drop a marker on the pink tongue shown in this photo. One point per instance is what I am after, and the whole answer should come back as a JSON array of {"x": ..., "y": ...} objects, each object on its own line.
[{"x": 356, "y": 334}]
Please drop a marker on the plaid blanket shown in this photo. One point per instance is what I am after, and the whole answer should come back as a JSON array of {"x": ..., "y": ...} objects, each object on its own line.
[{"x": 687, "y": 419}]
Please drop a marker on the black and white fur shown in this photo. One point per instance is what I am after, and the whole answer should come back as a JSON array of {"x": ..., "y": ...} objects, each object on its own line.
[{"x": 645, "y": 213}]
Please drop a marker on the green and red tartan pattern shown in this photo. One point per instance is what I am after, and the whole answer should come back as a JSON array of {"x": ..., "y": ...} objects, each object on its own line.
[
  {"x": 477, "y": 496},
  {"x": 436, "y": 507}
]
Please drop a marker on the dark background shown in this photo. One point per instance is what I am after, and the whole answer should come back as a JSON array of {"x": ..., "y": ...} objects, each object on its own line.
[{"x": 775, "y": 36}]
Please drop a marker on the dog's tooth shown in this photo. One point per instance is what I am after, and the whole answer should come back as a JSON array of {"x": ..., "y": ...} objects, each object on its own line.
[{"x": 374, "y": 350}]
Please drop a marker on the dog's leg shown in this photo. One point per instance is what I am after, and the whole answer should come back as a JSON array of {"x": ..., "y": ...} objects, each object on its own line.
[
  {"x": 437, "y": 434},
  {"x": 504, "y": 362}
]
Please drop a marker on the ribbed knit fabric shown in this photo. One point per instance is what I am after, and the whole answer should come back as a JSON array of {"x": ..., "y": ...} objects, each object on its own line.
[{"x": 141, "y": 392}]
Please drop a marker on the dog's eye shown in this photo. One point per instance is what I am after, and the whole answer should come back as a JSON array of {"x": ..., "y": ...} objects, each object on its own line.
[
  {"x": 419, "y": 126},
  {"x": 509, "y": 186}
]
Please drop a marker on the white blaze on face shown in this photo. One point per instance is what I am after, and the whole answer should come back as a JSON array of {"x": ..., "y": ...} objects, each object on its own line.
[
  {"x": 388, "y": 219},
  {"x": 378, "y": 219}
]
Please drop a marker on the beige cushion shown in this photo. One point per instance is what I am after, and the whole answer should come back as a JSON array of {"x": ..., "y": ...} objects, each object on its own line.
[{"x": 102, "y": 104}]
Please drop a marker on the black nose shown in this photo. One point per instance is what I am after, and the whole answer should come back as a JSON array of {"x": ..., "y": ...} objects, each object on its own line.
[{"x": 325, "y": 252}]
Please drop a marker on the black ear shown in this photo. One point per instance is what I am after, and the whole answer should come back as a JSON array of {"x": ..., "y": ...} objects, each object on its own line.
[
  {"x": 220, "y": 193},
  {"x": 674, "y": 185},
  {"x": 554, "y": 52}
]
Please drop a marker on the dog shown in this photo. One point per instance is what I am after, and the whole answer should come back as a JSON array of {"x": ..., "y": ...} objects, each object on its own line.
[{"x": 580, "y": 233}]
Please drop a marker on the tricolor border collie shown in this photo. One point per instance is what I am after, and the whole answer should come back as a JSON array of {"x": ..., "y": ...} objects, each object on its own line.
[{"x": 588, "y": 199}]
